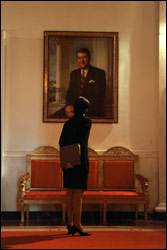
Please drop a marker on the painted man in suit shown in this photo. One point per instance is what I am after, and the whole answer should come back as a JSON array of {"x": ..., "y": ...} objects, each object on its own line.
[{"x": 87, "y": 81}]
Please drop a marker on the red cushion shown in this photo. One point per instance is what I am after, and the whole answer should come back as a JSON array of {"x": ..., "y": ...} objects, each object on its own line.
[
  {"x": 113, "y": 195},
  {"x": 118, "y": 174},
  {"x": 45, "y": 195},
  {"x": 46, "y": 174},
  {"x": 92, "y": 195},
  {"x": 93, "y": 175}
]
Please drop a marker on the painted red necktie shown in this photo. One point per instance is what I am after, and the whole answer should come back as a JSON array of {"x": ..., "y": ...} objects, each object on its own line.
[{"x": 82, "y": 79}]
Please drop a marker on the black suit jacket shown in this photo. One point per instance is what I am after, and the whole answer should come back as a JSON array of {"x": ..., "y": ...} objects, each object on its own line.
[
  {"x": 94, "y": 89},
  {"x": 76, "y": 130}
]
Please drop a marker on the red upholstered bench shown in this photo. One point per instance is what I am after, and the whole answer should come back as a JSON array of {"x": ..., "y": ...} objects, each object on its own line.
[
  {"x": 43, "y": 183},
  {"x": 118, "y": 181},
  {"x": 113, "y": 179}
]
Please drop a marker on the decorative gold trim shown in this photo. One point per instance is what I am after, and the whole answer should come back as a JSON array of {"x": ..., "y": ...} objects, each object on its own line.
[
  {"x": 92, "y": 152},
  {"x": 45, "y": 150},
  {"x": 118, "y": 151}
]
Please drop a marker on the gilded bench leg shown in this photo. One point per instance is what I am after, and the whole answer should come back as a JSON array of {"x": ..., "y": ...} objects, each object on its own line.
[
  {"x": 104, "y": 213},
  {"x": 27, "y": 213},
  {"x": 64, "y": 213},
  {"x": 22, "y": 214},
  {"x": 136, "y": 216}
]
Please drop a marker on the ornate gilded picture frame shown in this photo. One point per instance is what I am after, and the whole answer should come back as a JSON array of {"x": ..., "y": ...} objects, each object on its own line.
[{"x": 62, "y": 74}]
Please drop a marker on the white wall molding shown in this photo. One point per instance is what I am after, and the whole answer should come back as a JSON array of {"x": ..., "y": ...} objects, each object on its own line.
[
  {"x": 16, "y": 152},
  {"x": 146, "y": 153},
  {"x": 162, "y": 107},
  {"x": 161, "y": 208}
]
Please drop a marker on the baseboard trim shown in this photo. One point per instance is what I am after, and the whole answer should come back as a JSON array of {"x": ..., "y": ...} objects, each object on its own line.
[
  {"x": 161, "y": 208},
  {"x": 13, "y": 215}
]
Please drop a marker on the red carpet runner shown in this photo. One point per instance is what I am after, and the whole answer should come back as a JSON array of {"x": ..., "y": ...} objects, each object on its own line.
[{"x": 98, "y": 240}]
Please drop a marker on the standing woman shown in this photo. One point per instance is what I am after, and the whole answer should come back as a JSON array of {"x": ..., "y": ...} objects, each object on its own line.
[{"x": 76, "y": 130}]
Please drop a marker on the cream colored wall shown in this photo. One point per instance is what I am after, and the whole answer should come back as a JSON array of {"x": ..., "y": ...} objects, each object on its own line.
[{"x": 24, "y": 23}]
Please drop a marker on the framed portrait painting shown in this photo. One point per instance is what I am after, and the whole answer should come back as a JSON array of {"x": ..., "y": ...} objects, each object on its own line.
[{"x": 81, "y": 64}]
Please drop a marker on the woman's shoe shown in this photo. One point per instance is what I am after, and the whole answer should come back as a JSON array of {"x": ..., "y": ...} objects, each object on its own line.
[
  {"x": 70, "y": 229},
  {"x": 76, "y": 230}
]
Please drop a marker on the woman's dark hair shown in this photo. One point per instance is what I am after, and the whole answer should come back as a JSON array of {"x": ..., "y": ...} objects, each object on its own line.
[
  {"x": 81, "y": 104},
  {"x": 84, "y": 50}
]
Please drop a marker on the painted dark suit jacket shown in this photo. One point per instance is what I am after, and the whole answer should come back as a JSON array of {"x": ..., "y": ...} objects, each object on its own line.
[
  {"x": 94, "y": 89},
  {"x": 76, "y": 130}
]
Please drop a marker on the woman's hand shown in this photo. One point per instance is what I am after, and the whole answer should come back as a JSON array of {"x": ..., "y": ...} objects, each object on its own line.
[{"x": 69, "y": 165}]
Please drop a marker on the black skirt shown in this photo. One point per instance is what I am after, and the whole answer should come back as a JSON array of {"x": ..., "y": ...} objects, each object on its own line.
[{"x": 75, "y": 177}]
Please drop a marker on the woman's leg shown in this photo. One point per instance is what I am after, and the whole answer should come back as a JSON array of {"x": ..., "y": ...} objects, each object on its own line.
[
  {"x": 70, "y": 193},
  {"x": 77, "y": 207}
]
